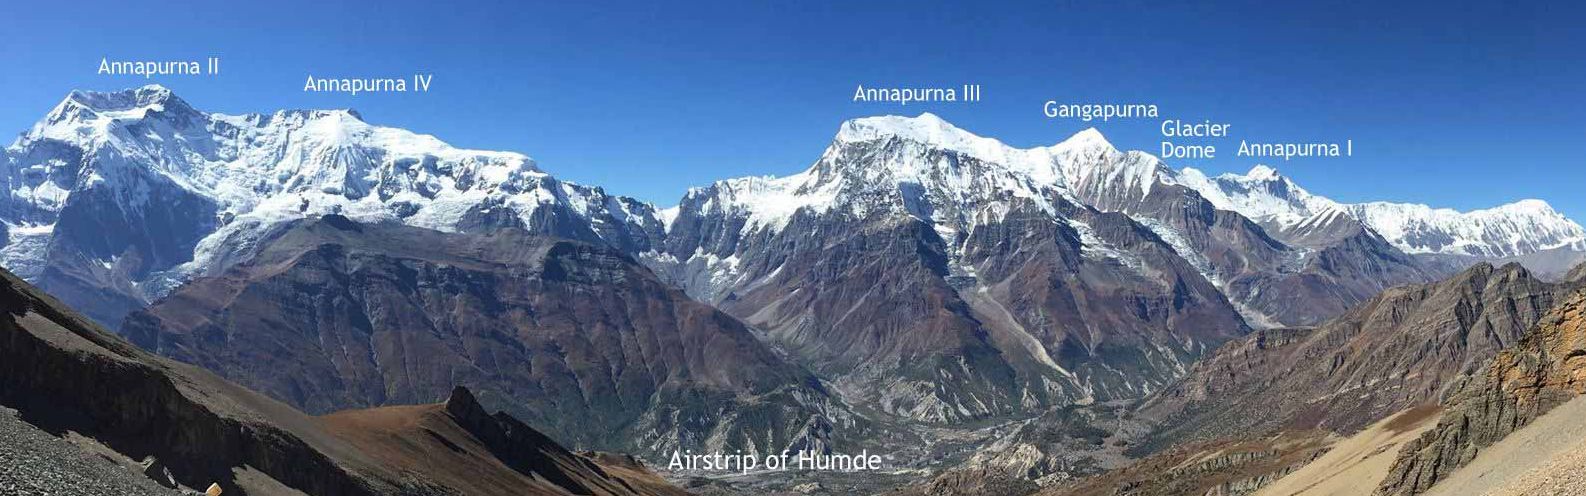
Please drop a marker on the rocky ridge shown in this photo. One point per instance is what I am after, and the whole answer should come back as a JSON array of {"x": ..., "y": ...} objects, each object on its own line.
[
  {"x": 947, "y": 277},
  {"x": 572, "y": 337},
  {"x": 66, "y": 376},
  {"x": 1402, "y": 349},
  {"x": 1544, "y": 370}
]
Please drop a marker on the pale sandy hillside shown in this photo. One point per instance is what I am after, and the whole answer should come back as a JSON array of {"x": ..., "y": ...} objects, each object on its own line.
[
  {"x": 1547, "y": 457},
  {"x": 1355, "y": 464}
]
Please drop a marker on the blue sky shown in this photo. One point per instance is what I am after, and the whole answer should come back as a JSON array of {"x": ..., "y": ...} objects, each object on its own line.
[{"x": 1450, "y": 104}]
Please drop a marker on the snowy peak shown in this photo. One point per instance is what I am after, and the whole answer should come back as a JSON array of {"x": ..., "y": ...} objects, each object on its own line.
[
  {"x": 1518, "y": 228},
  {"x": 1529, "y": 206},
  {"x": 152, "y": 128},
  {"x": 1262, "y": 176},
  {"x": 1088, "y": 139},
  {"x": 928, "y": 152},
  {"x": 930, "y": 131},
  {"x": 87, "y": 115},
  {"x": 922, "y": 165},
  {"x": 926, "y": 129},
  {"x": 1262, "y": 194},
  {"x": 147, "y": 97},
  {"x": 93, "y": 114},
  {"x": 1275, "y": 201},
  {"x": 1263, "y": 173},
  {"x": 128, "y": 152},
  {"x": 1108, "y": 178}
]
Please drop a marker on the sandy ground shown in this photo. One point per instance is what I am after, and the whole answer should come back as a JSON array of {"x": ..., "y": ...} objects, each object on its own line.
[
  {"x": 1546, "y": 457},
  {"x": 1354, "y": 465}
]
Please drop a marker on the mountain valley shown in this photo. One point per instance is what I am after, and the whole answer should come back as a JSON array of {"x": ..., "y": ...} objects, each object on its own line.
[{"x": 1065, "y": 319}]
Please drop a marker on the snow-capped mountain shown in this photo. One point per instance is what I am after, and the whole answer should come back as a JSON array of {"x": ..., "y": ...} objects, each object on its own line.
[
  {"x": 936, "y": 173},
  {"x": 137, "y": 191},
  {"x": 945, "y": 276},
  {"x": 1516, "y": 229},
  {"x": 910, "y": 240},
  {"x": 897, "y": 201},
  {"x": 1262, "y": 194},
  {"x": 936, "y": 274}
]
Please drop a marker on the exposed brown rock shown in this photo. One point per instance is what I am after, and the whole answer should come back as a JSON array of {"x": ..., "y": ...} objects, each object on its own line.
[
  {"x": 1397, "y": 351},
  {"x": 1223, "y": 467},
  {"x": 1544, "y": 370},
  {"x": 1292, "y": 278},
  {"x": 1009, "y": 314},
  {"x": 63, "y": 373},
  {"x": 457, "y": 445},
  {"x": 575, "y": 338}
]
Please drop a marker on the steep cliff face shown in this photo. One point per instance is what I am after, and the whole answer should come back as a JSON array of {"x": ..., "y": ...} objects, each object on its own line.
[
  {"x": 1546, "y": 369},
  {"x": 572, "y": 337},
  {"x": 1394, "y": 352},
  {"x": 64, "y": 374}
]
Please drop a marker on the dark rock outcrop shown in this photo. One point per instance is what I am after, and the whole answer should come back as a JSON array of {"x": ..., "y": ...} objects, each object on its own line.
[{"x": 1546, "y": 369}]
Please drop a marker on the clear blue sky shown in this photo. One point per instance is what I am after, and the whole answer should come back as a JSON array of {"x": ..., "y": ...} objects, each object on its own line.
[{"x": 1458, "y": 105}]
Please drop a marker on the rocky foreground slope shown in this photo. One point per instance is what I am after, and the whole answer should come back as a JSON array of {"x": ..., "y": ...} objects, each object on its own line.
[
  {"x": 1397, "y": 351},
  {"x": 1543, "y": 371},
  {"x": 69, "y": 378},
  {"x": 34, "y": 461}
]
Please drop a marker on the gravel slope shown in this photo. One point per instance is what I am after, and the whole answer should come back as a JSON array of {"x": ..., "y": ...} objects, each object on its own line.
[
  {"x": 33, "y": 462},
  {"x": 1547, "y": 457},
  {"x": 1362, "y": 457}
]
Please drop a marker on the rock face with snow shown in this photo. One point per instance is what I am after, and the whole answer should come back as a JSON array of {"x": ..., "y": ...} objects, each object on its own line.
[
  {"x": 116, "y": 198},
  {"x": 947, "y": 277},
  {"x": 1279, "y": 274},
  {"x": 931, "y": 273},
  {"x": 1512, "y": 230},
  {"x": 910, "y": 238}
]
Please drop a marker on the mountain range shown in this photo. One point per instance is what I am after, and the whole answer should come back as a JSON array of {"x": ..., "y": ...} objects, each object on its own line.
[
  {"x": 915, "y": 279},
  {"x": 567, "y": 335}
]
